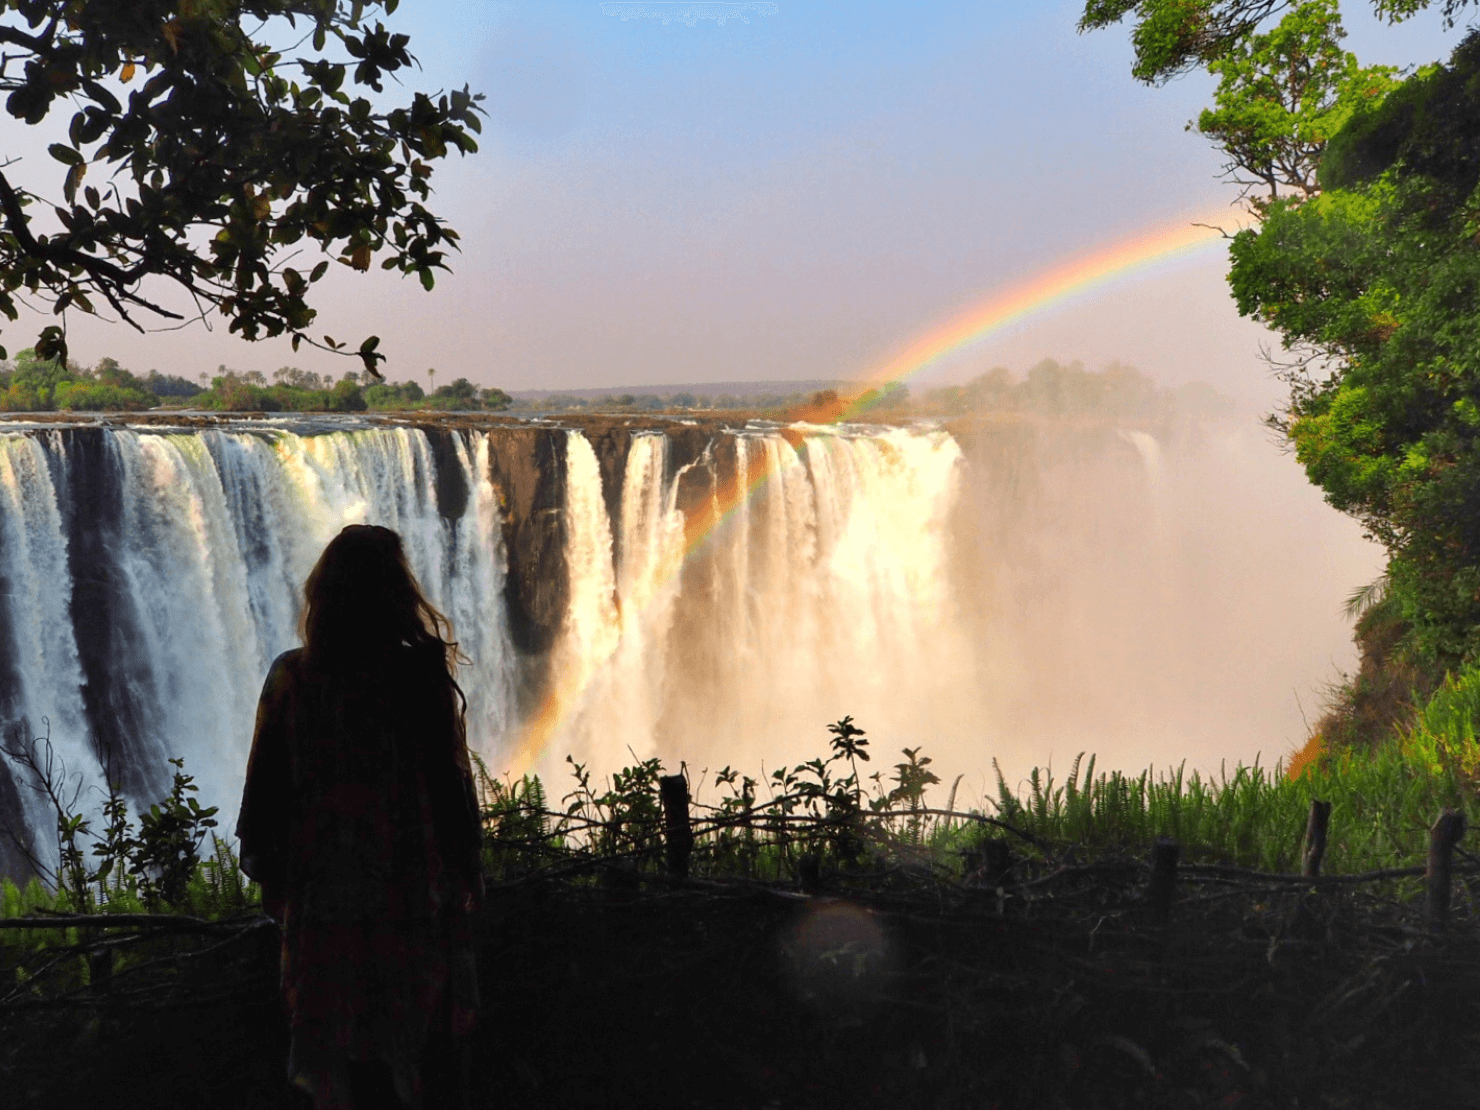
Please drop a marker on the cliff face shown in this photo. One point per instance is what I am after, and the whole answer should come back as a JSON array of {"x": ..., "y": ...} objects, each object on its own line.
[{"x": 527, "y": 467}]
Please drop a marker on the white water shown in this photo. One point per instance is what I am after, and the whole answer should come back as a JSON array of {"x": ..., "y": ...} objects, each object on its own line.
[
  {"x": 221, "y": 530},
  {"x": 48, "y": 676},
  {"x": 826, "y": 592},
  {"x": 1152, "y": 604}
]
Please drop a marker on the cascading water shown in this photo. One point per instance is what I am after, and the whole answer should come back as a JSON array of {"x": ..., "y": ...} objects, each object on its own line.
[
  {"x": 824, "y": 591},
  {"x": 705, "y": 593},
  {"x": 141, "y": 632}
]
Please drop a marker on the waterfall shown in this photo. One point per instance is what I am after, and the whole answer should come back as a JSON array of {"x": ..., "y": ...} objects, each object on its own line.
[
  {"x": 824, "y": 592},
  {"x": 45, "y": 678},
  {"x": 188, "y": 571},
  {"x": 704, "y": 593}
]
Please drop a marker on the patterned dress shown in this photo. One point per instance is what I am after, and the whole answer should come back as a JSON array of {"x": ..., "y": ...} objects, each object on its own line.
[{"x": 360, "y": 821}]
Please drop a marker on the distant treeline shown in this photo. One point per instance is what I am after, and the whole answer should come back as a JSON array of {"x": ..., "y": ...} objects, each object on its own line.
[
  {"x": 295, "y": 390},
  {"x": 658, "y": 402},
  {"x": 1052, "y": 388},
  {"x": 29, "y": 384}
]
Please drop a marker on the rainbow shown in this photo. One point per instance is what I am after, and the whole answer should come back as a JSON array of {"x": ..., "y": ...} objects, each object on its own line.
[
  {"x": 1052, "y": 289},
  {"x": 1086, "y": 274}
]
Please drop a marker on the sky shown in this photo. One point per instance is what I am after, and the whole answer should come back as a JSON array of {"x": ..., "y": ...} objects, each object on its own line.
[{"x": 793, "y": 197}]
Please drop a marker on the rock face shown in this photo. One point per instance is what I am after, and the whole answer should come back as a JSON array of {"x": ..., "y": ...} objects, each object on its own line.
[
  {"x": 527, "y": 467},
  {"x": 117, "y": 679}
]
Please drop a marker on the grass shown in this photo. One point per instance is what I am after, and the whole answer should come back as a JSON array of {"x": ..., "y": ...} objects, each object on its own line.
[
  {"x": 1383, "y": 802},
  {"x": 825, "y": 814},
  {"x": 1384, "y": 799}
]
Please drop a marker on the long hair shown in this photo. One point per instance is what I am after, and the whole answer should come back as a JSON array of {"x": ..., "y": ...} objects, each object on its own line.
[{"x": 361, "y": 601}]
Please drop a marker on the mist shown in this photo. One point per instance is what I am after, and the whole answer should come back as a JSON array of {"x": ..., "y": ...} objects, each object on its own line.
[{"x": 1149, "y": 580}]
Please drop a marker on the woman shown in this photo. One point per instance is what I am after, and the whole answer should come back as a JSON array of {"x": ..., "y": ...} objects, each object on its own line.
[{"x": 360, "y": 823}]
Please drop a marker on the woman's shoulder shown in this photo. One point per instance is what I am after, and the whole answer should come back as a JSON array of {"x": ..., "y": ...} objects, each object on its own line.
[
  {"x": 290, "y": 660},
  {"x": 286, "y": 670}
]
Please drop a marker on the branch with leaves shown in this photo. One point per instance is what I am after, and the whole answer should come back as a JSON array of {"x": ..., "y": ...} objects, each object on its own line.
[
  {"x": 1172, "y": 37},
  {"x": 199, "y": 158}
]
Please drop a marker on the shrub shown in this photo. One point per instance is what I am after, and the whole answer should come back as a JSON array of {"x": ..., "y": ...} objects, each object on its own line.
[{"x": 100, "y": 397}]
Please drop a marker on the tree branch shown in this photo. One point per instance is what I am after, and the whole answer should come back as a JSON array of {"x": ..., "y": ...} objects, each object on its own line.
[{"x": 100, "y": 272}]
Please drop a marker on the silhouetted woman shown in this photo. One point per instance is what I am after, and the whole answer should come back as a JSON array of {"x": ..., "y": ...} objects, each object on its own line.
[{"x": 360, "y": 822}]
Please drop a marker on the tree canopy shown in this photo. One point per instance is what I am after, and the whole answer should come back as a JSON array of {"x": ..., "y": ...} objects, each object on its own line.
[
  {"x": 203, "y": 155},
  {"x": 1379, "y": 279},
  {"x": 1281, "y": 96},
  {"x": 1173, "y": 36}
]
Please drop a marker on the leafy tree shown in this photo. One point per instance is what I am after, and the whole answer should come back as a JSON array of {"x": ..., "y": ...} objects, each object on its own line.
[
  {"x": 298, "y": 379},
  {"x": 1280, "y": 98},
  {"x": 346, "y": 395},
  {"x": 1173, "y": 36},
  {"x": 459, "y": 394},
  {"x": 169, "y": 385},
  {"x": 217, "y": 158},
  {"x": 495, "y": 400},
  {"x": 1378, "y": 283},
  {"x": 393, "y": 395}
]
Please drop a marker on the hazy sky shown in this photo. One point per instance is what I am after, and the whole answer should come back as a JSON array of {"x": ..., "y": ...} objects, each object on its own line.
[{"x": 793, "y": 197}]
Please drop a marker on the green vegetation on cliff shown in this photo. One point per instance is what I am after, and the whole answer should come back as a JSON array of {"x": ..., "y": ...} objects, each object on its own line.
[{"x": 1366, "y": 260}]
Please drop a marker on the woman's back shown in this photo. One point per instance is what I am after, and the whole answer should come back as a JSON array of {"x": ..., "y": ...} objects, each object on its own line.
[
  {"x": 360, "y": 822},
  {"x": 373, "y": 805}
]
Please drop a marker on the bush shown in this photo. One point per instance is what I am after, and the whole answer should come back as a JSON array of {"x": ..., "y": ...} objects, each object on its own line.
[
  {"x": 346, "y": 397},
  {"x": 100, "y": 397},
  {"x": 23, "y": 397}
]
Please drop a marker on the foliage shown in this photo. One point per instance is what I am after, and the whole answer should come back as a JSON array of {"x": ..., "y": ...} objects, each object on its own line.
[
  {"x": 33, "y": 384},
  {"x": 623, "y": 820},
  {"x": 155, "y": 866},
  {"x": 516, "y": 823},
  {"x": 220, "y": 155},
  {"x": 169, "y": 385},
  {"x": 1173, "y": 36},
  {"x": 1379, "y": 279},
  {"x": 462, "y": 394},
  {"x": 393, "y": 395},
  {"x": 819, "y": 815},
  {"x": 653, "y": 402},
  {"x": 1383, "y": 801},
  {"x": 235, "y": 392},
  {"x": 1448, "y": 721},
  {"x": 295, "y": 390},
  {"x": 1368, "y": 264},
  {"x": 1379, "y": 700},
  {"x": 1280, "y": 98}
]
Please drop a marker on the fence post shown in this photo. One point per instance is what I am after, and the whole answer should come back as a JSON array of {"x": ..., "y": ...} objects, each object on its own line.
[
  {"x": 1443, "y": 837},
  {"x": 998, "y": 862},
  {"x": 678, "y": 834},
  {"x": 1315, "y": 838},
  {"x": 1164, "y": 856},
  {"x": 809, "y": 872}
]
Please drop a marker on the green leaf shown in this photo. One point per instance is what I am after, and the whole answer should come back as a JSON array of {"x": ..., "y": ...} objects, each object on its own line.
[
  {"x": 74, "y": 179},
  {"x": 64, "y": 154}
]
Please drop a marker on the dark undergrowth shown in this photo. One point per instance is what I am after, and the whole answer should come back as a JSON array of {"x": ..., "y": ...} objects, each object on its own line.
[
  {"x": 831, "y": 940},
  {"x": 611, "y": 990}
]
